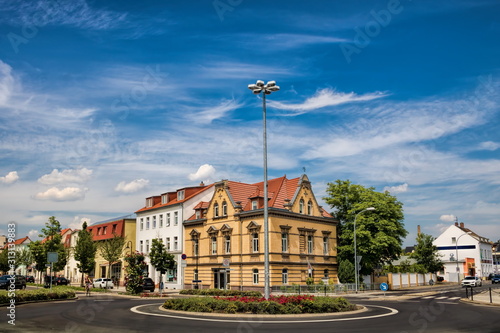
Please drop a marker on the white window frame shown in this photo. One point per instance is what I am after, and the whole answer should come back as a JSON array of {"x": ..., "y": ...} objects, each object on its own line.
[
  {"x": 147, "y": 246},
  {"x": 154, "y": 221},
  {"x": 255, "y": 242},
  {"x": 255, "y": 275},
  {"x": 168, "y": 243},
  {"x": 142, "y": 224},
  {"x": 141, "y": 246},
  {"x": 176, "y": 218},
  {"x": 168, "y": 220},
  {"x": 161, "y": 221},
  {"x": 310, "y": 244},
  {"x": 176, "y": 243},
  {"x": 227, "y": 244},
  {"x": 326, "y": 245},
  {"x": 255, "y": 204},
  {"x": 213, "y": 241},
  {"x": 284, "y": 242},
  {"x": 284, "y": 276},
  {"x": 147, "y": 223}
]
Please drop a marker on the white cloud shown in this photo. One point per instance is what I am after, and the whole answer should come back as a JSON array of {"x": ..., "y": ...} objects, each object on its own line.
[
  {"x": 6, "y": 83},
  {"x": 65, "y": 194},
  {"x": 10, "y": 178},
  {"x": 205, "y": 172},
  {"x": 133, "y": 186},
  {"x": 66, "y": 176},
  {"x": 216, "y": 112},
  {"x": 323, "y": 98},
  {"x": 447, "y": 218},
  {"x": 489, "y": 145},
  {"x": 78, "y": 221},
  {"x": 33, "y": 234},
  {"x": 397, "y": 189}
]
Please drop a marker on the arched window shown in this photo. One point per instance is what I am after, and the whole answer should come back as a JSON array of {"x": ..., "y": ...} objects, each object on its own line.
[
  {"x": 216, "y": 210},
  {"x": 309, "y": 207},
  {"x": 224, "y": 208},
  {"x": 301, "y": 206}
]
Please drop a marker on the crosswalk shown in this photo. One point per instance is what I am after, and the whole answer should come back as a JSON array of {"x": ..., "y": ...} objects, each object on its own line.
[{"x": 443, "y": 299}]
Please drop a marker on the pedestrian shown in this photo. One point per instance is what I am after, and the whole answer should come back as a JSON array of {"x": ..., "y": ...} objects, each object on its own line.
[{"x": 87, "y": 286}]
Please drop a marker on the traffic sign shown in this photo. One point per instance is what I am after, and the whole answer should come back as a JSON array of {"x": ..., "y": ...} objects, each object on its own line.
[
  {"x": 384, "y": 286},
  {"x": 225, "y": 262},
  {"x": 184, "y": 256}
]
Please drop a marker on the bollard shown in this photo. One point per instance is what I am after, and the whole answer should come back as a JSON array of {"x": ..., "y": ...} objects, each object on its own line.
[{"x": 491, "y": 300}]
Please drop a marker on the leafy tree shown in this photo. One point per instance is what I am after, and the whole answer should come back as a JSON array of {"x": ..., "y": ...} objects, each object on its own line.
[
  {"x": 85, "y": 250},
  {"x": 379, "y": 233},
  {"x": 160, "y": 258},
  {"x": 4, "y": 261},
  {"x": 39, "y": 256},
  {"x": 346, "y": 271},
  {"x": 111, "y": 250},
  {"x": 53, "y": 243},
  {"x": 135, "y": 272},
  {"x": 426, "y": 253}
]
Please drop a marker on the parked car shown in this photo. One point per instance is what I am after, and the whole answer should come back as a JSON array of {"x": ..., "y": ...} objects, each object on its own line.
[
  {"x": 6, "y": 281},
  {"x": 148, "y": 284},
  {"x": 103, "y": 283},
  {"x": 471, "y": 281},
  {"x": 495, "y": 278},
  {"x": 60, "y": 281},
  {"x": 30, "y": 279}
]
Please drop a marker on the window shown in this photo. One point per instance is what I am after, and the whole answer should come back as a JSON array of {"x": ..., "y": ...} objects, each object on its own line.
[
  {"x": 176, "y": 218},
  {"x": 99, "y": 231},
  {"x": 154, "y": 222},
  {"x": 227, "y": 244},
  {"x": 325, "y": 246},
  {"x": 161, "y": 220},
  {"x": 142, "y": 224},
  {"x": 114, "y": 229},
  {"x": 254, "y": 204},
  {"x": 164, "y": 199},
  {"x": 309, "y": 244},
  {"x": 147, "y": 223},
  {"x": 284, "y": 242},
  {"x": 141, "y": 246},
  {"x": 168, "y": 219},
  {"x": 198, "y": 214},
  {"x": 195, "y": 246},
  {"x": 284, "y": 276},
  {"x": 147, "y": 245},
  {"x": 195, "y": 275},
  {"x": 255, "y": 276},
  {"x": 180, "y": 195},
  {"x": 255, "y": 242},
  {"x": 214, "y": 245},
  {"x": 216, "y": 210},
  {"x": 326, "y": 274},
  {"x": 309, "y": 208},
  {"x": 224, "y": 208},
  {"x": 175, "y": 243},
  {"x": 168, "y": 244},
  {"x": 104, "y": 230},
  {"x": 453, "y": 240},
  {"x": 301, "y": 206}
]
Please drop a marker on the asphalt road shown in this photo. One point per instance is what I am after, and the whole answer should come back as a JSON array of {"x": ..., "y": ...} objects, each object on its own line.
[{"x": 440, "y": 312}]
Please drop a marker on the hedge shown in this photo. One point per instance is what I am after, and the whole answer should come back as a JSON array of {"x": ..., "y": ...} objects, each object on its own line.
[
  {"x": 277, "y": 305},
  {"x": 35, "y": 295},
  {"x": 219, "y": 292}
]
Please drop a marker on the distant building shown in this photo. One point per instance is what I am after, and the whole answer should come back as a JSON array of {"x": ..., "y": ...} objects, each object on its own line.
[
  {"x": 496, "y": 257},
  {"x": 20, "y": 244},
  {"x": 464, "y": 253}
]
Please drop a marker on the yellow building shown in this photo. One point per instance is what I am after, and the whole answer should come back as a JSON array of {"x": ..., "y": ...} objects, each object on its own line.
[
  {"x": 101, "y": 231},
  {"x": 224, "y": 239}
]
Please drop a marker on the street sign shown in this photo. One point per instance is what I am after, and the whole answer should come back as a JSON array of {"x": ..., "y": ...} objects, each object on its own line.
[
  {"x": 358, "y": 259},
  {"x": 384, "y": 286},
  {"x": 225, "y": 262},
  {"x": 183, "y": 256},
  {"x": 52, "y": 257},
  {"x": 196, "y": 281},
  {"x": 183, "y": 263}
]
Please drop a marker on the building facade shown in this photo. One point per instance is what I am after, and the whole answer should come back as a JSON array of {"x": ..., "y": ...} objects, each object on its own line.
[
  {"x": 161, "y": 218},
  {"x": 464, "y": 253},
  {"x": 224, "y": 238}
]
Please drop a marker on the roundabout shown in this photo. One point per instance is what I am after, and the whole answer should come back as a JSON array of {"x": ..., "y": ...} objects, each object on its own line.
[{"x": 367, "y": 312}]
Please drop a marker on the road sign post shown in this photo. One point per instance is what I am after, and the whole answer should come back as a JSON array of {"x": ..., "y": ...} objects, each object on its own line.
[{"x": 384, "y": 287}]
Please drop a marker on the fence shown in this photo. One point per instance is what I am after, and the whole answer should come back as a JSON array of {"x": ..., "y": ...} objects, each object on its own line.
[{"x": 324, "y": 289}]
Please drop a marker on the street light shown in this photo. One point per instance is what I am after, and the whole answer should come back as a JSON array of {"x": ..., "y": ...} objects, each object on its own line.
[
  {"x": 265, "y": 89},
  {"x": 129, "y": 246},
  {"x": 456, "y": 249},
  {"x": 355, "y": 251}
]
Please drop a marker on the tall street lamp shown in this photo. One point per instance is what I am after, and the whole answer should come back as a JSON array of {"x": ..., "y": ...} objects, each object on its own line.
[
  {"x": 355, "y": 250},
  {"x": 265, "y": 89},
  {"x": 456, "y": 249}
]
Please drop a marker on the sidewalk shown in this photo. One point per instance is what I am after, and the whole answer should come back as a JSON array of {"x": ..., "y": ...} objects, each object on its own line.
[{"x": 484, "y": 297}]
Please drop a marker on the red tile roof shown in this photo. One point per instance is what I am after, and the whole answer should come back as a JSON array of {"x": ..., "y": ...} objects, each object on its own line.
[
  {"x": 103, "y": 231},
  {"x": 189, "y": 192},
  {"x": 18, "y": 241}
]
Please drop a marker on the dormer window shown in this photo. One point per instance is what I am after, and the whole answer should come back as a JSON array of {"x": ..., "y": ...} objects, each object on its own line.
[
  {"x": 149, "y": 202},
  {"x": 198, "y": 214},
  {"x": 180, "y": 195},
  {"x": 164, "y": 199},
  {"x": 254, "y": 204}
]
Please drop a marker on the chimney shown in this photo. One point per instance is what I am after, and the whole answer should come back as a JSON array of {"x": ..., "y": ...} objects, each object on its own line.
[
  {"x": 202, "y": 183},
  {"x": 461, "y": 224},
  {"x": 418, "y": 229},
  {"x": 456, "y": 224}
]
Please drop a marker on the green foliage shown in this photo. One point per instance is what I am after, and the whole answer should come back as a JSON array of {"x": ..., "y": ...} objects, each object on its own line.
[
  {"x": 305, "y": 305},
  {"x": 309, "y": 281},
  {"x": 85, "y": 250},
  {"x": 4, "y": 261},
  {"x": 135, "y": 270},
  {"x": 37, "y": 295},
  {"x": 426, "y": 254},
  {"x": 379, "y": 233},
  {"x": 219, "y": 292},
  {"x": 160, "y": 258},
  {"x": 111, "y": 250},
  {"x": 53, "y": 243},
  {"x": 346, "y": 271}
]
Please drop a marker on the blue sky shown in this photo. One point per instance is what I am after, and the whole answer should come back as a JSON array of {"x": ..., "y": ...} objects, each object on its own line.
[{"x": 104, "y": 103}]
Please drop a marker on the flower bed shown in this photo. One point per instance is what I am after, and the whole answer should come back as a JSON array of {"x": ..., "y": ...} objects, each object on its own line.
[
  {"x": 154, "y": 295},
  {"x": 259, "y": 305}
]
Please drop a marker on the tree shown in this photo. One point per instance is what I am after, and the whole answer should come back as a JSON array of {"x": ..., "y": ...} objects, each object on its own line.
[
  {"x": 4, "y": 261},
  {"x": 426, "y": 253},
  {"x": 379, "y": 233},
  {"x": 135, "y": 270},
  {"x": 39, "y": 256},
  {"x": 85, "y": 250},
  {"x": 160, "y": 258},
  {"x": 53, "y": 243},
  {"x": 111, "y": 250},
  {"x": 346, "y": 271}
]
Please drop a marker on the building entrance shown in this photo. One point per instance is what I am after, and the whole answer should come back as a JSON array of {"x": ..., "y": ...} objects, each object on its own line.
[{"x": 221, "y": 278}]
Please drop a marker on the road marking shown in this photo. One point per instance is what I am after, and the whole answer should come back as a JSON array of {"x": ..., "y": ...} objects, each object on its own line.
[
  {"x": 427, "y": 297},
  {"x": 454, "y": 298},
  {"x": 390, "y": 313},
  {"x": 442, "y": 297}
]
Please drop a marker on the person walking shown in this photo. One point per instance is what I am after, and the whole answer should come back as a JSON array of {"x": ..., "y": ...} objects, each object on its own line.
[{"x": 88, "y": 285}]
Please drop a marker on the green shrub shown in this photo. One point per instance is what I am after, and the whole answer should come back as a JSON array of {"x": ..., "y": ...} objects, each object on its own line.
[
  {"x": 37, "y": 295},
  {"x": 219, "y": 292}
]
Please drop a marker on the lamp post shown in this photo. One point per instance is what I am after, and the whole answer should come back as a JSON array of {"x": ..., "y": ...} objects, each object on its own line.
[
  {"x": 129, "y": 246},
  {"x": 265, "y": 89},
  {"x": 355, "y": 251},
  {"x": 456, "y": 249}
]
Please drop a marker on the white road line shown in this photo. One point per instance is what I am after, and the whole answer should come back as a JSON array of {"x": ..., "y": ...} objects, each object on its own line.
[
  {"x": 454, "y": 298},
  {"x": 442, "y": 297},
  {"x": 427, "y": 297}
]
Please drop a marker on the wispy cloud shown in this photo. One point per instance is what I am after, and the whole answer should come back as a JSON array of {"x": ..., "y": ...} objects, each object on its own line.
[
  {"x": 323, "y": 98},
  {"x": 237, "y": 70},
  {"x": 489, "y": 145},
  {"x": 66, "y": 176},
  {"x": 216, "y": 112},
  {"x": 397, "y": 189}
]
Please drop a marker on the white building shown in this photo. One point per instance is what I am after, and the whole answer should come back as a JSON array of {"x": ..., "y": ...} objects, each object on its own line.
[
  {"x": 71, "y": 270},
  {"x": 162, "y": 218},
  {"x": 463, "y": 253}
]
